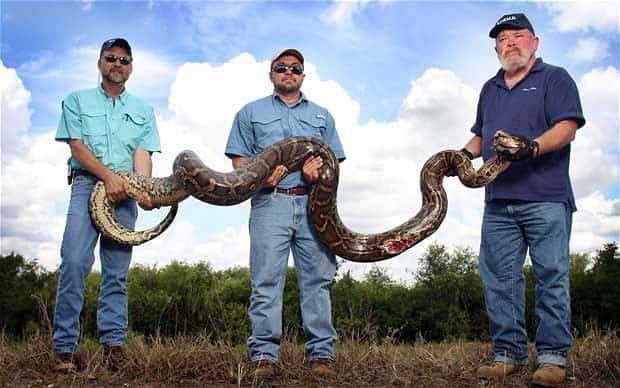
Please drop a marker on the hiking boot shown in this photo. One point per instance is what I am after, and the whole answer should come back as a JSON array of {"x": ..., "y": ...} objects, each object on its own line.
[
  {"x": 115, "y": 358},
  {"x": 322, "y": 368},
  {"x": 548, "y": 375},
  {"x": 264, "y": 369},
  {"x": 497, "y": 370},
  {"x": 68, "y": 362}
]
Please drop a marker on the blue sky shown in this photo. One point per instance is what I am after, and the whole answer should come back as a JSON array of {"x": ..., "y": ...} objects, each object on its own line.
[{"x": 401, "y": 79}]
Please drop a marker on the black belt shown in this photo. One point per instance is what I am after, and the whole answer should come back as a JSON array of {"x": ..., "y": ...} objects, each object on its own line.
[
  {"x": 73, "y": 172},
  {"x": 80, "y": 172},
  {"x": 299, "y": 190}
]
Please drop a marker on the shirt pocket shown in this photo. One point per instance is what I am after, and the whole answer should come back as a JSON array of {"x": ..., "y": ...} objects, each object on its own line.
[
  {"x": 95, "y": 134},
  {"x": 313, "y": 126},
  {"x": 267, "y": 130},
  {"x": 131, "y": 129}
]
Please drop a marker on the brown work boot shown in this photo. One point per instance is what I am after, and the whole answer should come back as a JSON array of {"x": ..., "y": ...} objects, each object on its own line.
[
  {"x": 497, "y": 370},
  {"x": 264, "y": 369},
  {"x": 548, "y": 375},
  {"x": 68, "y": 362},
  {"x": 322, "y": 368},
  {"x": 115, "y": 358}
]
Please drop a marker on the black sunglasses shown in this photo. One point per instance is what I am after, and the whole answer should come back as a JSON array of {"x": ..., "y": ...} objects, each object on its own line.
[
  {"x": 282, "y": 68},
  {"x": 113, "y": 58}
]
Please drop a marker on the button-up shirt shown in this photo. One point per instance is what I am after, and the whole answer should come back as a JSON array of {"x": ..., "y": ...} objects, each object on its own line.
[
  {"x": 111, "y": 129},
  {"x": 263, "y": 122}
]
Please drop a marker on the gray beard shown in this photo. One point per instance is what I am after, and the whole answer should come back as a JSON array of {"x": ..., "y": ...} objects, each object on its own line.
[{"x": 511, "y": 65}]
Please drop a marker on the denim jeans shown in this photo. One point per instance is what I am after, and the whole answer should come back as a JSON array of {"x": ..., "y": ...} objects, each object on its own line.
[
  {"x": 77, "y": 253},
  {"x": 279, "y": 223},
  {"x": 509, "y": 229}
]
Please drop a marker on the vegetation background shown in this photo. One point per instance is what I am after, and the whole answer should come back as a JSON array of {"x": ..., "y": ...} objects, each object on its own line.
[{"x": 188, "y": 324}]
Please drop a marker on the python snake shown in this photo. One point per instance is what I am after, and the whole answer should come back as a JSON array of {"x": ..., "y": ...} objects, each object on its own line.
[{"x": 192, "y": 177}]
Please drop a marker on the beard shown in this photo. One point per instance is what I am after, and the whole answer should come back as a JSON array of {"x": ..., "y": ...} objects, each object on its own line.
[
  {"x": 287, "y": 87},
  {"x": 114, "y": 77},
  {"x": 512, "y": 63}
]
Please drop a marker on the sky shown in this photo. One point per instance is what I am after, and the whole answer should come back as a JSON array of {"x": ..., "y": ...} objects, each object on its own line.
[{"x": 401, "y": 79}]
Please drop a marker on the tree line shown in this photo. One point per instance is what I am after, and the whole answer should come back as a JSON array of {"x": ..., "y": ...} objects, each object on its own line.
[{"x": 444, "y": 302}]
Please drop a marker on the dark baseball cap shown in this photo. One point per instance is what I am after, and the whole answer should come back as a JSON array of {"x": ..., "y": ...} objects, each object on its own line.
[
  {"x": 116, "y": 42},
  {"x": 512, "y": 21},
  {"x": 288, "y": 51}
]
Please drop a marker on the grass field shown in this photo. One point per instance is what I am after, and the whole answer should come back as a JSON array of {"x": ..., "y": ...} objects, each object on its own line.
[{"x": 199, "y": 362}]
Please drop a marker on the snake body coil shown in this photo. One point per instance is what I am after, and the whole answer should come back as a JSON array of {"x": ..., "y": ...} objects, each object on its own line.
[{"x": 192, "y": 177}]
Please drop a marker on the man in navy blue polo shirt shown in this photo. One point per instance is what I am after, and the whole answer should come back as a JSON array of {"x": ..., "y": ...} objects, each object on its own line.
[
  {"x": 279, "y": 220},
  {"x": 530, "y": 206}
]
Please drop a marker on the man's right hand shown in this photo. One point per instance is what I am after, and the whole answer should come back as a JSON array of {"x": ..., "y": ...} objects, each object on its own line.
[
  {"x": 276, "y": 176},
  {"x": 115, "y": 188}
]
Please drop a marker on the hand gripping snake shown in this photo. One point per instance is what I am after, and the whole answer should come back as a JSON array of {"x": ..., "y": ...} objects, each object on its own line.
[{"x": 192, "y": 177}]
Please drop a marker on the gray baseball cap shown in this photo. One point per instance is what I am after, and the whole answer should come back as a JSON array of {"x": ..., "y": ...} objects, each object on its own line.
[{"x": 288, "y": 51}]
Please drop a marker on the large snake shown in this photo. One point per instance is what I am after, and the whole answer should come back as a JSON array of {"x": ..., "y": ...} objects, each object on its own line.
[{"x": 192, "y": 177}]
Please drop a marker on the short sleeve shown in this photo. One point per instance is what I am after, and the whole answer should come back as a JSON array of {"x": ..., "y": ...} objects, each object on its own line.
[
  {"x": 150, "y": 137},
  {"x": 562, "y": 99},
  {"x": 70, "y": 124},
  {"x": 241, "y": 136},
  {"x": 331, "y": 137}
]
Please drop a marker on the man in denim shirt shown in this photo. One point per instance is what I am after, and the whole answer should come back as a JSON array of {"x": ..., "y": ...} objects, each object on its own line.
[
  {"x": 279, "y": 220},
  {"x": 530, "y": 206},
  {"x": 108, "y": 131}
]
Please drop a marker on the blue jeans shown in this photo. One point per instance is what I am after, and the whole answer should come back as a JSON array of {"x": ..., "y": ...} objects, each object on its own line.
[
  {"x": 77, "y": 252},
  {"x": 508, "y": 230},
  {"x": 279, "y": 223}
]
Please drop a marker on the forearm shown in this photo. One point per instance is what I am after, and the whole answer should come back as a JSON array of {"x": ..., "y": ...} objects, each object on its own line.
[
  {"x": 474, "y": 146},
  {"x": 85, "y": 157},
  {"x": 142, "y": 163},
  {"x": 556, "y": 137}
]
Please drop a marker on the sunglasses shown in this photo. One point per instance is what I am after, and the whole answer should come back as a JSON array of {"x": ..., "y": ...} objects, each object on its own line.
[
  {"x": 282, "y": 68},
  {"x": 113, "y": 58}
]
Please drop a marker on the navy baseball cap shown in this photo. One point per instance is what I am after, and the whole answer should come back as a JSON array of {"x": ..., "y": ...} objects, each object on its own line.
[
  {"x": 116, "y": 42},
  {"x": 512, "y": 21}
]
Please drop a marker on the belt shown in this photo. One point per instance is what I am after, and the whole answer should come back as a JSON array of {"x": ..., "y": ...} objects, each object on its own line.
[
  {"x": 299, "y": 190},
  {"x": 80, "y": 172}
]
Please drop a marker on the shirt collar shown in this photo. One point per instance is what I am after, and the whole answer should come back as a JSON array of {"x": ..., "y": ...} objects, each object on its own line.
[
  {"x": 122, "y": 98},
  {"x": 499, "y": 77},
  {"x": 302, "y": 98}
]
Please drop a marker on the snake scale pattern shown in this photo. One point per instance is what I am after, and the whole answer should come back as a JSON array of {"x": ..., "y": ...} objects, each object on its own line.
[{"x": 192, "y": 177}]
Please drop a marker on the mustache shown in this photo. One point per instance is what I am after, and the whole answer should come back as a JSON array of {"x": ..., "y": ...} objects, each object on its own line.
[{"x": 512, "y": 49}]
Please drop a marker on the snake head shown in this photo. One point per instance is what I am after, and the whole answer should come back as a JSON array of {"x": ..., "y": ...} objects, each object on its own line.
[{"x": 512, "y": 147}]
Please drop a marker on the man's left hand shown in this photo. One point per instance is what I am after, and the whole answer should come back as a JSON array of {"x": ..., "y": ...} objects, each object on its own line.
[
  {"x": 527, "y": 150},
  {"x": 145, "y": 202},
  {"x": 311, "y": 168}
]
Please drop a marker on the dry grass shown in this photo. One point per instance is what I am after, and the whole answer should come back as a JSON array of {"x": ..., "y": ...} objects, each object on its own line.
[{"x": 199, "y": 362}]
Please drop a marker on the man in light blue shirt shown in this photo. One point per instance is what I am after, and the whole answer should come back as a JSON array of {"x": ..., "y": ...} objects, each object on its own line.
[
  {"x": 279, "y": 220},
  {"x": 108, "y": 131}
]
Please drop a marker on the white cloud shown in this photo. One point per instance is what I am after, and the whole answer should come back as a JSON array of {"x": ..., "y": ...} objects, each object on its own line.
[
  {"x": 596, "y": 222},
  {"x": 596, "y": 144},
  {"x": 589, "y": 49},
  {"x": 14, "y": 112},
  {"x": 340, "y": 12},
  {"x": 584, "y": 15}
]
